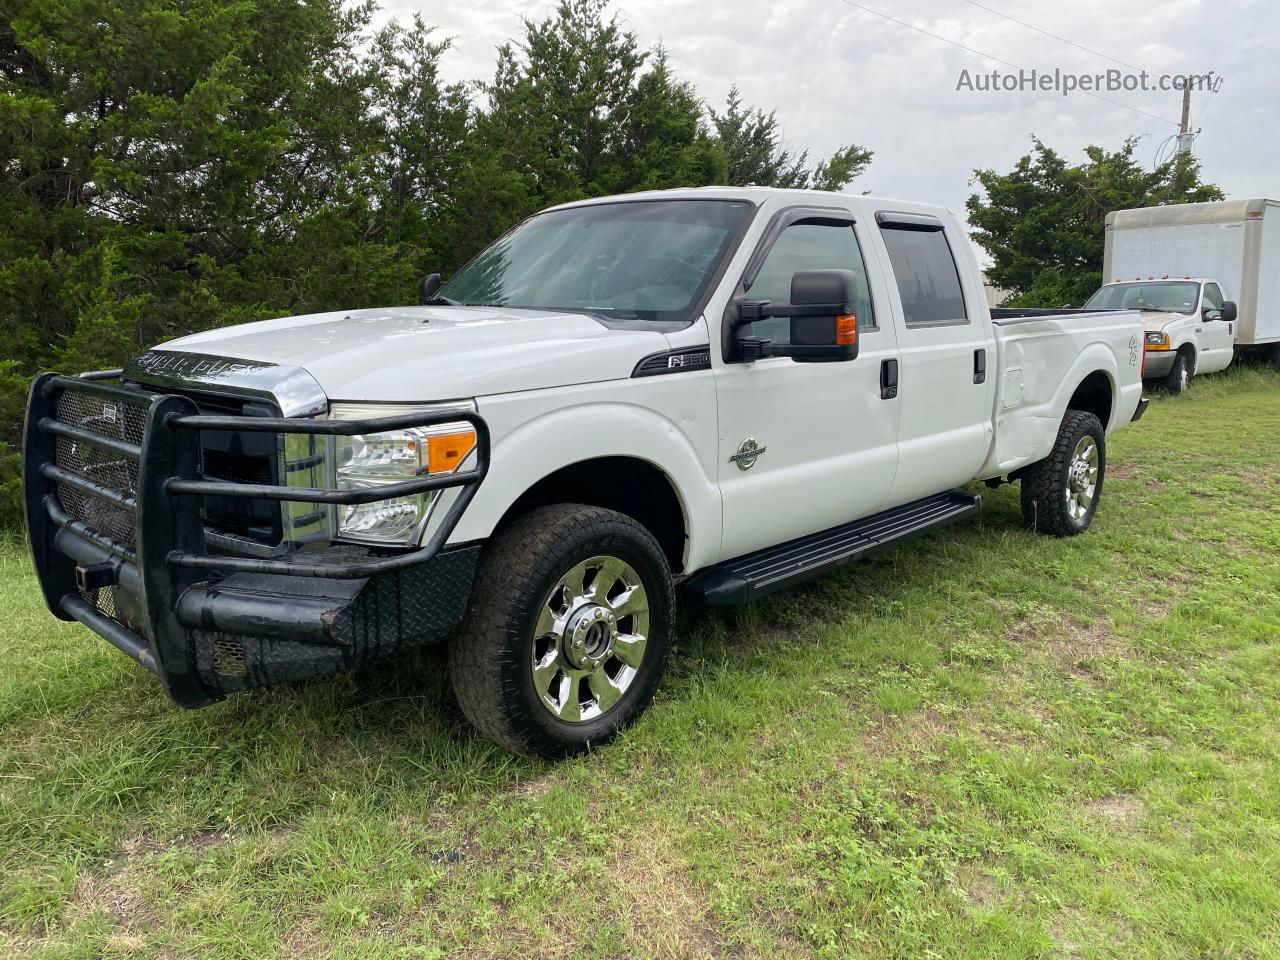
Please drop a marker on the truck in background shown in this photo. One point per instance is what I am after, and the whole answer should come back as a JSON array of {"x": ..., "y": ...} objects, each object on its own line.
[
  {"x": 1230, "y": 247},
  {"x": 1188, "y": 326}
]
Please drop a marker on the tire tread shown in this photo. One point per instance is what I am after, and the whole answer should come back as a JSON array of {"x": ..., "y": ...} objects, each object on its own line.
[
  {"x": 1042, "y": 506},
  {"x": 515, "y": 563}
]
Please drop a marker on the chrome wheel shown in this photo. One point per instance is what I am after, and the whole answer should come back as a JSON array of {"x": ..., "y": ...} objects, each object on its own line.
[
  {"x": 1082, "y": 478},
  {"x": 589, "y": 639}
]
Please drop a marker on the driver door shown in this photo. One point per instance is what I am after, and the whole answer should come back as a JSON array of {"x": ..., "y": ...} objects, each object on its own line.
[
  {"x": 1217, "y": 337},
  {"x": 806, "y": 446}
]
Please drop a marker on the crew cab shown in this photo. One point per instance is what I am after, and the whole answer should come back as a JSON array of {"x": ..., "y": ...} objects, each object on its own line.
[
  {"x": 1189, "y": 325},
  {"x": 721, "y": 390}
]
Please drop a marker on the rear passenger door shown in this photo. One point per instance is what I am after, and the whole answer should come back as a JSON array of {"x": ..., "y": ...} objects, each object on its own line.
[{"x": 947, "y": 368}]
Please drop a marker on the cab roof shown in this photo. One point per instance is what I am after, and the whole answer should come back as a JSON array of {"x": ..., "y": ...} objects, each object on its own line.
[
  {"x": 1159, "y": 280},
  {"x": 758, "y": 196}
]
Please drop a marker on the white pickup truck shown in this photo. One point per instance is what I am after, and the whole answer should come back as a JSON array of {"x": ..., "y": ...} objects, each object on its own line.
[
  {"x": 1189, "y": 326},
  {"x": 729, "y": 390}
]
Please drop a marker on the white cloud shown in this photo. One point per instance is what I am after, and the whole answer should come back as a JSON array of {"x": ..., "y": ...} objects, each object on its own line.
[{"x": 836, "y": 74}]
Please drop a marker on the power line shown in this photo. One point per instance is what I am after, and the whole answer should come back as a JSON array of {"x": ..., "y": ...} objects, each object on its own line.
[
  {"x": 1203, "y": 107},
  {"x": 987, "y": 56},
  {"x": 1030, "y": 26}
]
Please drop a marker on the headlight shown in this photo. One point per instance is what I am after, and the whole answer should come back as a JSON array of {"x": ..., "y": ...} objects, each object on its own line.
[
  {"x": 1157, "y": 341},
  {"x": 366, "y": 461}
]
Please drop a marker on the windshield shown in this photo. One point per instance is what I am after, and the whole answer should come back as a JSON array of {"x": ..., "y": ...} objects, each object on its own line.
[
  {"x": 647, "y": 260},
  {"x": 1173, "y": 296}
]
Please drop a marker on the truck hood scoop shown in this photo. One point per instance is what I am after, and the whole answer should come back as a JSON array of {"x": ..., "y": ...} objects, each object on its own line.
[{"x": 416, "y": 354}]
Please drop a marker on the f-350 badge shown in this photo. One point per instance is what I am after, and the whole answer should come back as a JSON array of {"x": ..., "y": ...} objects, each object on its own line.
[{"x": 748, "y": 452}]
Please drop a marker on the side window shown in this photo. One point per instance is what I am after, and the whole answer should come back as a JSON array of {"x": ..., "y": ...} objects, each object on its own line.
[
  {"x": 928, "y": 280},
  {"x": 1212, "y": 296},
  {"x": 808, "y": 245}
]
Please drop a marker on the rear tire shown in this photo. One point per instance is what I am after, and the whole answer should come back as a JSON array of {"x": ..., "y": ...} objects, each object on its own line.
[
  {"x": 567, "y": 632},
  {"x": 1060, "y": 493},
  {"x": 1179, "y": 378}
]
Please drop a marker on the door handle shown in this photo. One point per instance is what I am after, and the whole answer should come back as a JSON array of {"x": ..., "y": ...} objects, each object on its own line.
[
  {"x": 980, "y": 366},
  {"x": 888, "y": 379}
]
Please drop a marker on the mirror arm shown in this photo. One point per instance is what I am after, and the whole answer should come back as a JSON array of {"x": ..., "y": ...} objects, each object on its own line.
[
  {"x": 750, "y": 311},
  {"x": 751, "y": 349}
]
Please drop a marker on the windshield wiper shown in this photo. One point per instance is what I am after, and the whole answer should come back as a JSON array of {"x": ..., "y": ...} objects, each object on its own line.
[{"x": 441, "y": 302}]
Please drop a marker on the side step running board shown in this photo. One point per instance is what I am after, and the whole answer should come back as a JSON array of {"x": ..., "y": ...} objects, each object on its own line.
[{"x": 751, "y": 576}]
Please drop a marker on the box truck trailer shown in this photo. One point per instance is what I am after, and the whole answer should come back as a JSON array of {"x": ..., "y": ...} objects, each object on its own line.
[{"x": 1234, "y": 244}]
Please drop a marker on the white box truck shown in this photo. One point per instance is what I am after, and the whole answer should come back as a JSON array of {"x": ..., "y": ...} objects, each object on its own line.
[{"x": 1234, "y": 244}]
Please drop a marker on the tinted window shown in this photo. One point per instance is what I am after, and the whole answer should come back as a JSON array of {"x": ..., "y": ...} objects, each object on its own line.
[
  {"x": 647, "y": 260},
  {"x": 808, "y": 246},
  {"x": 928, "y": 280},
  {"x": 1212, "y": 296}
]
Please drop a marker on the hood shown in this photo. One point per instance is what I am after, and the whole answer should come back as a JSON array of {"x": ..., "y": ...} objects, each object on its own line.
[
  {"x": 413, "y": 354},
  {"x": 1154, "y": 320}
]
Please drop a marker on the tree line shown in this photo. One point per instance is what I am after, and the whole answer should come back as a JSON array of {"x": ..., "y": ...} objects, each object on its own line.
[{"x": 168, "y": 166}]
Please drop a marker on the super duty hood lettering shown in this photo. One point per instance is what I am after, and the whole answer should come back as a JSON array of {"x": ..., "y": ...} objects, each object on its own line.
[{"x": 293, "y": 389}]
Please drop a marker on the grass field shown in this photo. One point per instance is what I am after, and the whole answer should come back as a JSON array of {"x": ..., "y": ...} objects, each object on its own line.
[{"x": 984, "y": 744}]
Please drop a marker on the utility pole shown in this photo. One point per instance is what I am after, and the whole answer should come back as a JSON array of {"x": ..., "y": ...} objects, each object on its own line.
[{"x": 1185, "y": 136}]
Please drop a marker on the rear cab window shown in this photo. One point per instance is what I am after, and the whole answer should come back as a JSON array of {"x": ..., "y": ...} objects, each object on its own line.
[{"x": 925, "y": 269}]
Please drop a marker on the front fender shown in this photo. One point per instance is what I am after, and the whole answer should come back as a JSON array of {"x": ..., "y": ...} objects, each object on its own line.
[{"x": 534, "y": 435}]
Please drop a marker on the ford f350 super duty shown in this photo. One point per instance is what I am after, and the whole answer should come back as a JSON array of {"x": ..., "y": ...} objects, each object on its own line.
[{"x": 729, "y": 390}]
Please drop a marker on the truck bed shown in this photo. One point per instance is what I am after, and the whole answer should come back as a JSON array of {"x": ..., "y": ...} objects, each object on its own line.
[
  {"x": 1006, "y": 314},
  {"x": 1043, "y": 359}
]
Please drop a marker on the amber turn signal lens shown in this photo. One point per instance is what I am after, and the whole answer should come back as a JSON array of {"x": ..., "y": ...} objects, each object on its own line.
[
  {"x": 846, "y": 329},
  {"x": 447, "y": 450}
]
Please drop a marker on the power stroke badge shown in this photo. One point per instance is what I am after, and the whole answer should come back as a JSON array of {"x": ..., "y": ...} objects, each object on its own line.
[{"x": 748, "y": 453}]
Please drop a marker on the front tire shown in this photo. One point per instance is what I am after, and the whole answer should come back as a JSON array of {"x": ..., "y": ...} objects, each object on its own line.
[
  {"x": 1179, "y": 377},
  {"x": 567, "y": 633},
  {"x": 1060, "y": 493}
]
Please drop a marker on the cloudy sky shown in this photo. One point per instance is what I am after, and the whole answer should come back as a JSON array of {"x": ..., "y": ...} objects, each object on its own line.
[{"x": 838, "y": 74}]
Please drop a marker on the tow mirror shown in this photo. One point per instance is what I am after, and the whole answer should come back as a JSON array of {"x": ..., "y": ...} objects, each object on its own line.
[
  {"x": 824, "y": 328},
  {"x": 428, "y": 287},
  {"x": 1229, "y": 311}
]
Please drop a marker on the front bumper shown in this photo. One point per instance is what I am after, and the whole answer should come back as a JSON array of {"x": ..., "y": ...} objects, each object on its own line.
[
  {"x": 113, "y": 497},
  {"x": 1158, "y": 363}
]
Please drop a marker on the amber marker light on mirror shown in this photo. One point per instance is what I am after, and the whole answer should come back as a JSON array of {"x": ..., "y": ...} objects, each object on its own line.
[{"x": 846, "y": 329}]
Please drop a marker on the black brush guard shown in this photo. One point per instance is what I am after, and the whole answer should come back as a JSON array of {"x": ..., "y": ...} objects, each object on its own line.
[{"x": 119, "y": 544}]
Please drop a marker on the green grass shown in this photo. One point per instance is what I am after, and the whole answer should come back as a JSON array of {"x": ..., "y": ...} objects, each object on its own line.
[{"x": 984, "y": 744}]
